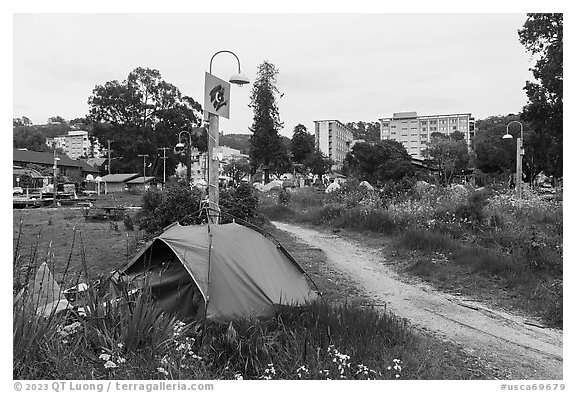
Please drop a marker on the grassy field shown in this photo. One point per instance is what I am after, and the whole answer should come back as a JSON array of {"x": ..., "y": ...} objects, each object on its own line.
[{"x": 340, "y": 339}]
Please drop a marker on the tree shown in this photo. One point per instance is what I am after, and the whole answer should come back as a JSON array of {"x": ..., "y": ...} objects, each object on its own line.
[
  {"x": 542, "y": 36},
  {"x": 491, "y": 154},
  {"x": 237, "y": 169},
  {"x": 386, "y": 160},
  {"x": 267, "y": 150},
  {"x": 302, "y": 144},
  {"x": 367, "y": 131},
  {"x": 142, "y": 114},
  {"x": 449, "y": 154},
  {"x": 317, "y": 163},
  {"x": 21, "y": 122}
]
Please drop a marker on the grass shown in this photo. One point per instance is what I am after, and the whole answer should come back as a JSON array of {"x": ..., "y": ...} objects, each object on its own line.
[{"x": 131, "y": 339}]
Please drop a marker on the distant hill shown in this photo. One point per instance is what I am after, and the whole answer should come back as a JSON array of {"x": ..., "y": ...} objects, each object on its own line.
[{"x": 236, "y": 141}]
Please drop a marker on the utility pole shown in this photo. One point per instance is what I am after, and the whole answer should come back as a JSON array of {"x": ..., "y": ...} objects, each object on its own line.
[
  {"x": 164, "y": 159},
  {"x": 109, "y": 159},
  {"x": 144, "y": 165}
]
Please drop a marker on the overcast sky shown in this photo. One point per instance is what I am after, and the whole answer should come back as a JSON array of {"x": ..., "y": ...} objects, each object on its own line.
[{"x": 348, "y": 67}]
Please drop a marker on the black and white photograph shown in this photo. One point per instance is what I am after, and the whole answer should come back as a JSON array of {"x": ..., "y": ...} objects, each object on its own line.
[{"x": 203, "y": 197}]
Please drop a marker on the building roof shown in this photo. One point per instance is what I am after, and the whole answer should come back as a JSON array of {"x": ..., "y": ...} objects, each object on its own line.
[
  {"x": 47, "y": 158},
  {"x": 119, "y": 177},
  {"x": 142, "y": 180},
  {"x": 87, "y": 167},
  {"x": 43, "y": 158}
]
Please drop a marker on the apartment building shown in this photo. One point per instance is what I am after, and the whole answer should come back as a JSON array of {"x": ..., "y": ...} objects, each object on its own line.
[
  {"x": 414, "y": 131},
  {"x": 75, "y": 144},
  {"x": 334, "y": 139}
]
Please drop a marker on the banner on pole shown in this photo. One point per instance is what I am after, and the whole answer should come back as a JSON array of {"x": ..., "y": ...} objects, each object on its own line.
[{"x": 216, "y": 96}]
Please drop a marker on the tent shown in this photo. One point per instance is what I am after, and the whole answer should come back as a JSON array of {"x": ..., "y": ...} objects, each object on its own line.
[
  {"x": 43, "y": 295},
  {"x": 222, "y": 272}
]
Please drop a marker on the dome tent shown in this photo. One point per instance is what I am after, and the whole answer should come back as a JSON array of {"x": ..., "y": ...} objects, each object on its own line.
[{"x": 223, "y": 272}]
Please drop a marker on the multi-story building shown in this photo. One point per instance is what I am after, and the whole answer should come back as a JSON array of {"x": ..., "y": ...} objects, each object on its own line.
[
  {"x": 75, "y": 144},
  {"x": 334, "y": 139},
  {"x": 414, "y": 131}
]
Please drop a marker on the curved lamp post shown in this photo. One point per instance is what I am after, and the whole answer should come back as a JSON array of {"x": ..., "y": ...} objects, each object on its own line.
[
  {"x": 215, "y": 103},
  {"x": 519, "y": 154},
  {"x": 180, "y": 146}
]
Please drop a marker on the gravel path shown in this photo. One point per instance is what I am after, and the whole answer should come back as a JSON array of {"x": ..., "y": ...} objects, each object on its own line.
[{"x": 522, "y": 351}]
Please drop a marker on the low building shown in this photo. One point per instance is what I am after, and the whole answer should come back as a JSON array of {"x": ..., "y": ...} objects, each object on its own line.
[
  {"x": 74, "y": 170},
  {"x": 117, "y": 182},
  {"x": 141, "y": 184}
]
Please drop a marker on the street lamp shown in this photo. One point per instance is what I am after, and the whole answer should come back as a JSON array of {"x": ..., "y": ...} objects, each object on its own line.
[
  {"x": 216, "y": 103},
  {"x": 519, "y": 154},
  {"x": 180, "y": 146},
  {"x": 55, "y": 181}
]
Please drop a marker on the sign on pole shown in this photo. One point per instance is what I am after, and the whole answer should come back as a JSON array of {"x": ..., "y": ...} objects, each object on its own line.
[{"x": 216, "y": 96}]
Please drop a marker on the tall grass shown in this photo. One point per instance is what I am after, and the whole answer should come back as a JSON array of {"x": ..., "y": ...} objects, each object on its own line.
[{"x": 121, "y": 335}]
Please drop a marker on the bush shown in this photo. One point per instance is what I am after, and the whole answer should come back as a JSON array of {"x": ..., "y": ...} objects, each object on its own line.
[
  {"x": 426, "y": 240},
  {"x": 240, "y": 202},
  {"x": 162, "y": 208}
]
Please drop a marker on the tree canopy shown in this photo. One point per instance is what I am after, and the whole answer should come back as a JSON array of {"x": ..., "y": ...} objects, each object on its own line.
[
  {"x": 302, "y": 144},
  {"x": 142, "y": 114},
  {"x": 542, "y": 36},
  {"x": 449, "y": 154},
  {"x": 386, "y": 160}
]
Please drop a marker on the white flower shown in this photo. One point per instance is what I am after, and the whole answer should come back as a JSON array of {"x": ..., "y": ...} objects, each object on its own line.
[
  {"x": 104, "y": 357},
  {"x": 110, "y": 364},
  {"x": 162, "y": 370},
  {"x": 120, "y": 345},
  {"x": 238, "y": 376}
]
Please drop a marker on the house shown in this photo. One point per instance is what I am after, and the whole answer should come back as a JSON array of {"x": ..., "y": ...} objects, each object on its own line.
[
  {"x": 141, "y": 184},
  {"x": 117, "y": 182},
  {"x": 74, "y": 170}
]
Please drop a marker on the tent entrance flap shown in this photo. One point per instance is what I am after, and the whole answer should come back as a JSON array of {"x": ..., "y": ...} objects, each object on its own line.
[{"x": 160, "y": 271}]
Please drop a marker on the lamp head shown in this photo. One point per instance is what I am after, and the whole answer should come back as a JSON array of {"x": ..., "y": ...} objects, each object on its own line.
[
  {"x": 507, "y": 136},
  {"x": 239, "y": 79},
  {"x": 180, "y": 145}
]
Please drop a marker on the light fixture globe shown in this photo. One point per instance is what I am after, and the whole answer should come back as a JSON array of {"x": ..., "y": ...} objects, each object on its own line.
[
  {"x": 239, "y": 79},
  {"x": 507, "y": 136},
  {"x": 180, "y": 145}
]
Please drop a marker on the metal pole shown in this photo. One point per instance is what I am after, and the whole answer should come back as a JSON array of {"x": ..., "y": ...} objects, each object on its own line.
[
  {"x": 213, "y": 164},
  {"x": 144, "y": 164},
  {"x": 109, "y": 159},
  {"x": 519, "y": 168},
  {"x": 164, "y": 159},
  {"x": 55, "y": 181}
]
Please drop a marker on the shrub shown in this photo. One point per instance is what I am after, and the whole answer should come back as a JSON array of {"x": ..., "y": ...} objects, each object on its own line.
[
  {"x": 426, "y": 240},
  {"x": 240, "y": 202},
  {"x": 161, "y": 208}
]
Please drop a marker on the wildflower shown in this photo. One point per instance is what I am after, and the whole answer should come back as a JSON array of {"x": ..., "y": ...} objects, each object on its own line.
[
  {"x": 301, "y": 369},
  {"x": 110, "y": 364},
  {"x": 162, "y": 370},
  {"x": 121, "y": 360},
  {"x": 105, "y": 356},
  {"x": 238, "y": 376},
  {"x": 120, "y": 345}
]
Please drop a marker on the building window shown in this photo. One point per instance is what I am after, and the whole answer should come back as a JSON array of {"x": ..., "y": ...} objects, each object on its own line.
[{"x": 423, "y": 135}]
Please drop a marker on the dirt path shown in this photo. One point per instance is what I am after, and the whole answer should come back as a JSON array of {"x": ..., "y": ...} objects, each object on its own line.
[{"x": 502, "y": 339}]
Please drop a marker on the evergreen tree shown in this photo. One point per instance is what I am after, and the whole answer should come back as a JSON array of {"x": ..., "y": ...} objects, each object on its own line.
[{"x": 267, "y": 150}]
